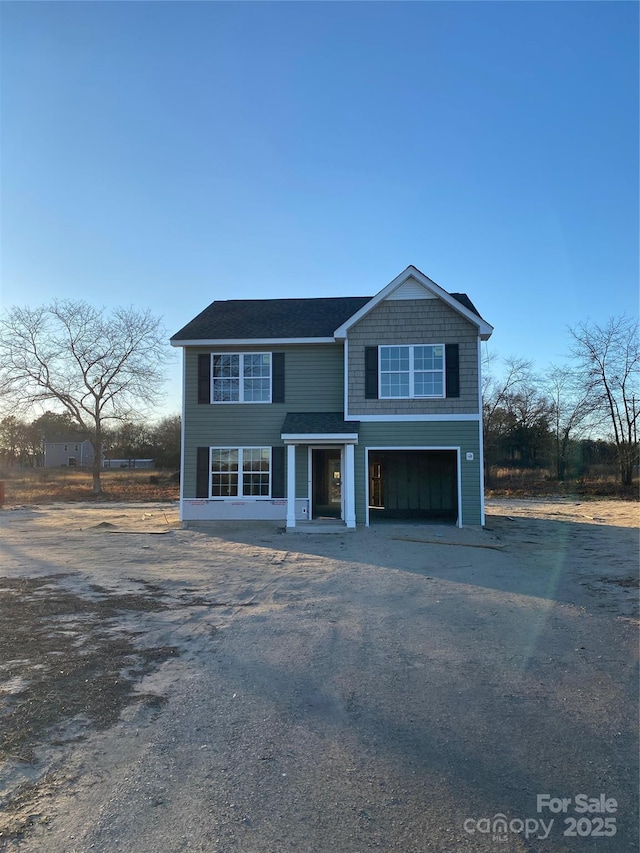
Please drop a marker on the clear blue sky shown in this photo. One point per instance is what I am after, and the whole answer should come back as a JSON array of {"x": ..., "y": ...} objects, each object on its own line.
[{"x": 168, "y": 154}]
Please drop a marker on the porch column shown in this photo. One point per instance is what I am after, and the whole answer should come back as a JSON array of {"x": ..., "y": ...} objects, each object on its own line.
[
  {"x": 350, "y": 491},
  {"x": 291, "y": 485}
]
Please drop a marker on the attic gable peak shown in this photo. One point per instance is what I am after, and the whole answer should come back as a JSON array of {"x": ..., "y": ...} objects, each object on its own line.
[{"x": 414, "y": 284}]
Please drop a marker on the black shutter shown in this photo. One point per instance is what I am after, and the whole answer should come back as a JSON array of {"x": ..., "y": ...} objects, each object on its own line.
[
  {"x": 371, "y": 373},
  {"x": 452, "y": 370},
  {"x": 277, "y": 472},
  {"x": 277, "y": 377},
  {"x": 204, "y": 378},
  {"x": 202, "y": 473}
]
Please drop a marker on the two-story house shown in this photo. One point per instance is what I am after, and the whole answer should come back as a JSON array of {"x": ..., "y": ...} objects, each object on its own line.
[
  {"x": 73, "y": 449},
  {"x": 349, "y": 408}
]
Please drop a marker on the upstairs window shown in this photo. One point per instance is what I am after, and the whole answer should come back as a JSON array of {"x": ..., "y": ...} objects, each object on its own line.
[
  {"x": 241, "y": 377},
  {"x": 408, "y": 372}
]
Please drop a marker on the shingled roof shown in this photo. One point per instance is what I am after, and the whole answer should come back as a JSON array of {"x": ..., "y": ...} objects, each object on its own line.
[
  {"x": 271, "y": 318},
  {"x": 318, "y": 423},
  {"x": 244, "y": 319},
  {"x": 67, "y": 438}
]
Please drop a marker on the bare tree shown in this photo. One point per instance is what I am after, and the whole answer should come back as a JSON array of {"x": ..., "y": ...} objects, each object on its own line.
[
  {"x": 529, "y": 411},
  {"x": 141, "y": 439},
  {"x": 166, "y": 438},
  {"x": 496, "y": 393},
  {"x": 95, "y": 366},
  {"x": 608, "y": 363},
  {"x": 572, "y": 410}
]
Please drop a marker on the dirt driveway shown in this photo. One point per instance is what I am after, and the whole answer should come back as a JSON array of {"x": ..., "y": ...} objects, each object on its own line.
[{"x": 407, "y": 688}]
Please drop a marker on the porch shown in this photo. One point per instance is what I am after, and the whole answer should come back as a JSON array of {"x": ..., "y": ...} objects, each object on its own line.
[{"x": 329, "y": 442}]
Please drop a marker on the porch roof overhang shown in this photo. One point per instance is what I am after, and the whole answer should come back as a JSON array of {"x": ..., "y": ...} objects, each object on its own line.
[{"x": 319, "y": 427}]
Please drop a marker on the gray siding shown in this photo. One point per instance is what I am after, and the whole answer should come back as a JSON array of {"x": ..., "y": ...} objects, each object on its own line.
[
  {"x": 462, "y": 434},
  {"x": 59, "y": 453},
  {"x": 414, "y": 321},
  {"x": 314, "y": 382}
]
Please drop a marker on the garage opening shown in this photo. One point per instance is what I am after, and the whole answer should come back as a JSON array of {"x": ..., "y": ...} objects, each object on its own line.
[{"x": 413, "y": 484}]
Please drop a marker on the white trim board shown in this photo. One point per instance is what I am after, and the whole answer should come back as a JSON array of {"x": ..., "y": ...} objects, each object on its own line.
[
  {"x": 481, "y": 435},
  {"x": 183, "y": 433},
  {"x": 386, "y": 419},
  {"x": 345, "y": 365}
]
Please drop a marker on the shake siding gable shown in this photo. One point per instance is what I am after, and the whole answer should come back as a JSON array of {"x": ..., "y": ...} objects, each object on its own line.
[{"x": 413, "y": 321}]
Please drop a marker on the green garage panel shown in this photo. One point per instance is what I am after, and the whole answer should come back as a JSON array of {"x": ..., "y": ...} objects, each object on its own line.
[{"x": 413, "y": 484}]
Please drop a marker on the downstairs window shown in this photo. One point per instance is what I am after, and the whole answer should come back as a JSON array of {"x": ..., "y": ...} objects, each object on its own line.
[{"x": 240, "y": 472}]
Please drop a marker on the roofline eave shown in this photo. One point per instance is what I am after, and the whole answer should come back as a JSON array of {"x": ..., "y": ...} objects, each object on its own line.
[
  {"x": 224, "y": 342},
  {"x": 485, "y": 330}
]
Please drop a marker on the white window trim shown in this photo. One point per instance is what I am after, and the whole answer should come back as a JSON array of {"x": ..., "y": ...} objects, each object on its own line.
[
  {"x": 412, "y": 395},
  {"x": 241, "y": 378},
  {"x": 241, "y": 497}
]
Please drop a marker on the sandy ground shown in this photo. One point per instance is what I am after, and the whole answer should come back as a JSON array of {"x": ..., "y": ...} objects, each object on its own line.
[{"x": 395, "y": 689}]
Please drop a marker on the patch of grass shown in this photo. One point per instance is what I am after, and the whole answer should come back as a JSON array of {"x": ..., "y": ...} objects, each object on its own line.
[{"x": 46, "y": 485}]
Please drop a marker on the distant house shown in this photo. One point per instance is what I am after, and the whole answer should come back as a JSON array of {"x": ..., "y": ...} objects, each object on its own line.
[
  {"x": 354, "y": 408},
  {"x": 72, "y": 450}
]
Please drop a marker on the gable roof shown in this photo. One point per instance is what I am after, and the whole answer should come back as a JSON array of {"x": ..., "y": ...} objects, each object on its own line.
[
  {"x": 460, "y": 302},
  {"x": 320, "y": 319},
  {"x": 463, "y": 299},
  {"x": 68, "y": 438},
  {"x": 245, "y": 319}
]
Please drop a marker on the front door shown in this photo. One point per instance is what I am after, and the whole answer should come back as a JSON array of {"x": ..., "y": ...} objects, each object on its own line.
[{"x": 326, "y": 467}]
